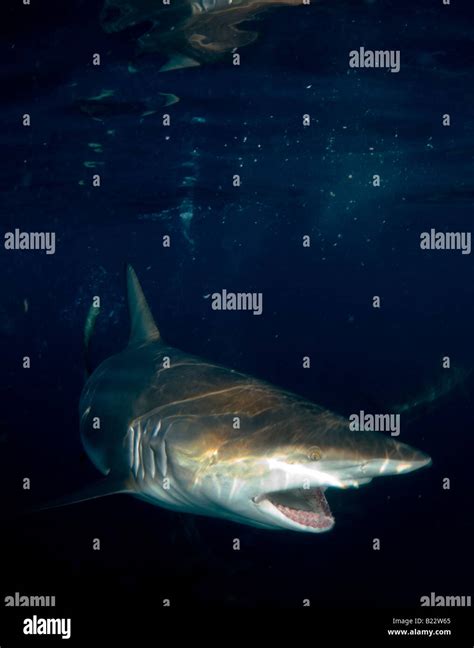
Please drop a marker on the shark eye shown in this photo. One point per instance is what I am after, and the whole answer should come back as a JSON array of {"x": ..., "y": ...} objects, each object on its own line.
[{"x": 314, "y": 453}]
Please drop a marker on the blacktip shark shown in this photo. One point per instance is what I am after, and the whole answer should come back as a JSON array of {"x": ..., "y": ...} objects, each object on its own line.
[{"x": 192, "y": 436}]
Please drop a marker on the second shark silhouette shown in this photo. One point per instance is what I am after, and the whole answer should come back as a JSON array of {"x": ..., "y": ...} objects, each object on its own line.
[{"x": 190, "y": 33}]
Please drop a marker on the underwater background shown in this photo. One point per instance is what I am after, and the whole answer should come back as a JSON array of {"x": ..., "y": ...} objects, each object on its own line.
[{"x": 295, "y": 181}]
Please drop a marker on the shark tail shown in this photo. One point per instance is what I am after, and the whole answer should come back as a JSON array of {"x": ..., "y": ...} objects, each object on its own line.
[{"x": 432, "y": 396}]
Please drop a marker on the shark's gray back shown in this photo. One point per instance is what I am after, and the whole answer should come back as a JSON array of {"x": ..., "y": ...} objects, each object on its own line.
[{"x": 139, "y": 381}]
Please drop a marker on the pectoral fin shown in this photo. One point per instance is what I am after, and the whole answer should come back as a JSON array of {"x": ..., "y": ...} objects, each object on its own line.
[{"x": 101, "y": 488}]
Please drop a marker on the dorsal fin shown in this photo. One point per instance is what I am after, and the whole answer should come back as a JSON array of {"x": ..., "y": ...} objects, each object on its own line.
[
  {"x": 89, "y": 327},
  {"x": 142, "y": 325}
]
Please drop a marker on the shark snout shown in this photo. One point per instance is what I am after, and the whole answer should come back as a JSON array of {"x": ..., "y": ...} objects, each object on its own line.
[
  {"x": 363, "y": 457},
  {"x": 398, "y": 459}
]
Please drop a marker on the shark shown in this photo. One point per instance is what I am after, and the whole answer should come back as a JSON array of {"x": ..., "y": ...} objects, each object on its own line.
[{"x": 193, "y": 436}]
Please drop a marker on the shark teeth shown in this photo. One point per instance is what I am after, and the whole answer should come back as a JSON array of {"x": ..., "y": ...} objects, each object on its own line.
[{"x": 308, "y": 507}]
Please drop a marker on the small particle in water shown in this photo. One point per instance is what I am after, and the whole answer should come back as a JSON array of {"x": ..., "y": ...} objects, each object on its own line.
[
  {"x": 105, "y": 94},
  {"x": 91, "y": 164}
]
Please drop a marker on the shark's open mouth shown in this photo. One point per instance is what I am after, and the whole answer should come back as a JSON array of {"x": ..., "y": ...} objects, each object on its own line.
[{"x": 308, "y": 507}]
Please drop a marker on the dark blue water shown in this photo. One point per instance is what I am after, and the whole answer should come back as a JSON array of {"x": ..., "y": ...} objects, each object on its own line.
[{"x": 296, "y": 181}]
